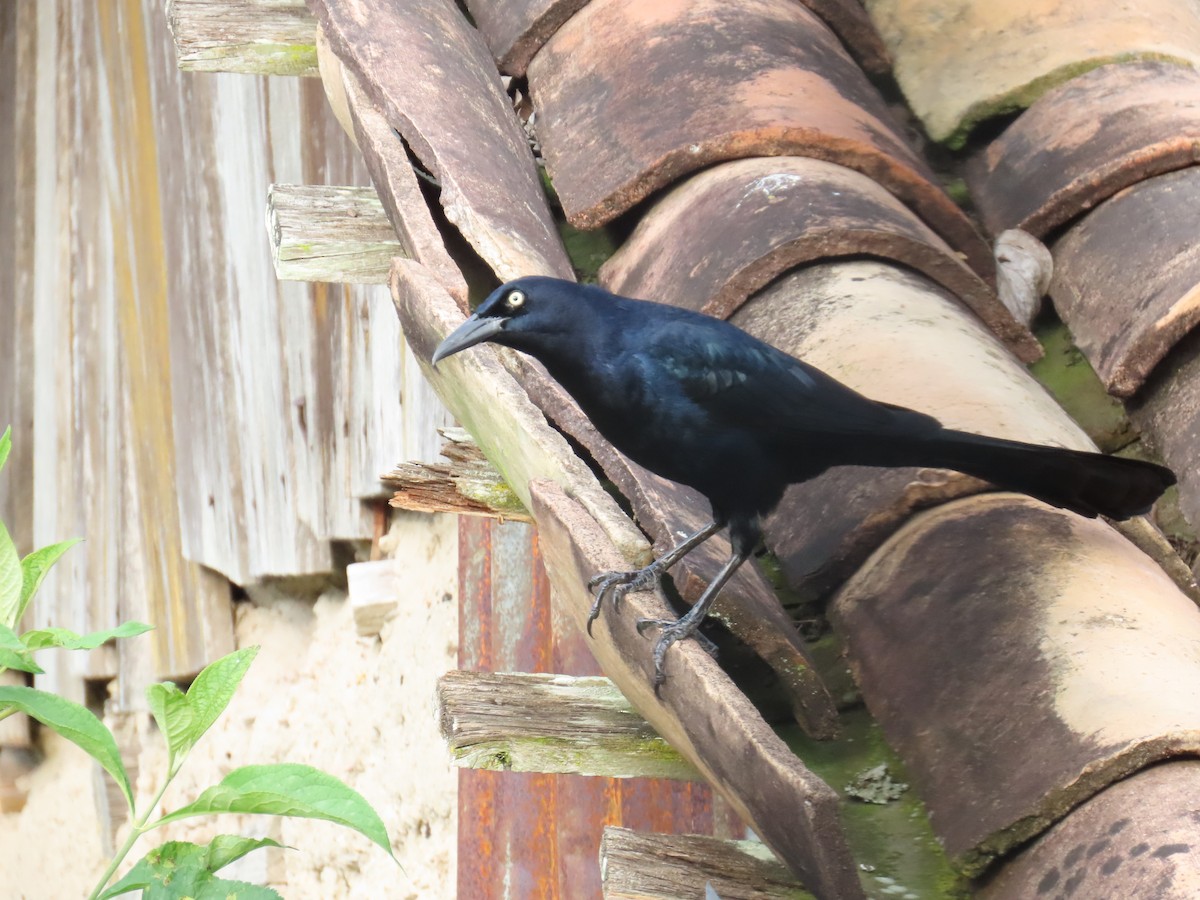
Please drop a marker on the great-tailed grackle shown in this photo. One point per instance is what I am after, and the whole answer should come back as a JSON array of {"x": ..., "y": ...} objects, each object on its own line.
[{"x": 701, "y": 402}]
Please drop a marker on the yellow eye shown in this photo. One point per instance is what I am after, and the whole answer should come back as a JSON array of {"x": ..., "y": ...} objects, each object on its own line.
[{"x": 514, "y": 299}]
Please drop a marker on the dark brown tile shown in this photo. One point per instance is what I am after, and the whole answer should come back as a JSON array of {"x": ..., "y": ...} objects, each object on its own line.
[
  {"x": 632, "y": 96},
  {"x": 1082, "y": 142}
]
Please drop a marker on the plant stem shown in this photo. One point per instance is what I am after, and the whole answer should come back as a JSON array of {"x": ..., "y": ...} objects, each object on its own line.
[{"x": 136, "y": 830}]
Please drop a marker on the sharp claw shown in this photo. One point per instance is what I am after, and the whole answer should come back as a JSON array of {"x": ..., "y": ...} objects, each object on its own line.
[{"x": 615, "y": 585}]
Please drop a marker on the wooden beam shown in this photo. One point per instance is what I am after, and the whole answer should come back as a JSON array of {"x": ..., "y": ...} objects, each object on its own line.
[
  {"x": 524, "y": 722},
  {"x": 640, "y": 866},
  {"x": 251, "y": 37},
  {"x": 469, "y": 485},
  {"x": 327, "y": 233}
]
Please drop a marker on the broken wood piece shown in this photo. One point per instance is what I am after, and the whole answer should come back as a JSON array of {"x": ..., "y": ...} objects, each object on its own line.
[
  {"x": 747, "y": 605},
  {"x": 642, "y": 866},
  {"x": 468, "y": 485},
  {"x": 1079, "y": 144},
  {"x": 715, "y": 239},
  {"x": 251, "y": 38},
  {"x": 523, "y": 722},
  {"x": 1127, "y": 278},
  {"x": 698, "y": 710},
  {"x": 443, "y": 95},
  {"x": 327, "y": 233},
  {"x": 729, "y": 81},
  {"x": 396, "y": 185},
  {"x": 373, "y": 594},
  {"x": 1089, "y": 631}
]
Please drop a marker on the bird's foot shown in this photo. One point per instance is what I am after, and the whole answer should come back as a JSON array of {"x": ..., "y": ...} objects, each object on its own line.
[
  {"x": 670, "y": 631},
  {"x": 617, "y": 585}
]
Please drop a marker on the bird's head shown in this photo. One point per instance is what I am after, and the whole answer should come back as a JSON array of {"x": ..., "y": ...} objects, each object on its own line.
[{"x": 523, "y": 314}]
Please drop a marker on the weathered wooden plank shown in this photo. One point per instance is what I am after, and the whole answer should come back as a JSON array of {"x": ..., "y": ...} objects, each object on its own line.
[
  {"x": 641, "y": 866},
  {"x": 526, "y": 722},
  {"x": 469, "y": 485},
  {"x": 444, "y": 95},
  {"x": 1089, "y": 631},
  {"x": 250, "y": 37},
  {"x": 793, "y": 811},
  {"x": 330, "y": 233}
]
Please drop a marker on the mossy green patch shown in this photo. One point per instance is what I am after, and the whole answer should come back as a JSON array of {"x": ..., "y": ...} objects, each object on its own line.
[{"x": 1066, "y": 373}]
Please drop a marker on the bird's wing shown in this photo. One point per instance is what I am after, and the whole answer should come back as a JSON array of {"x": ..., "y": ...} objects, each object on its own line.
[{"x": 740, "y": 381}]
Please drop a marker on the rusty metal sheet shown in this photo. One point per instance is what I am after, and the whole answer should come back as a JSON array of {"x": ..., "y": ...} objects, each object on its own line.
[
  {"x": 1168, "y": 414},
  {"x": 1135, "y": 839},
  {"x": 1015, "y": 656},
  {"x": 432, "y": 77},
  {"x": 538, "y": 835},
  {"x": 960, "y": 63},
  {"x": 1084, "y": 141},
  {"x": 897, "y": 337},
  {"x": 747, "y": 605},
  {"x": 1127, "y": 278},
  {"x": 721, "y": 235},
  {"x": 699, "y": 710},
  {"x": 631, "y": 96}
]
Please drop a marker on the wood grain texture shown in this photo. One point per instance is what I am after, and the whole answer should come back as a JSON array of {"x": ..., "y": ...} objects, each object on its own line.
[
  {"x": 250, "y": 37},
  {"x": 639, "y": 866},
  {"x": 444, "y": 96},
  {"x": 330, "y": 233},
  {"x": 539, "y": 722}
]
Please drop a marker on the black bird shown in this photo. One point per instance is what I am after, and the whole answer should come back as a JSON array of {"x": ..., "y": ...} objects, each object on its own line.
[{"x": 701, "y": 402}]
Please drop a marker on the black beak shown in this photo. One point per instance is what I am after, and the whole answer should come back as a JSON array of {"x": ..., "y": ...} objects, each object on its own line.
[{"x": 471, "y": 332}]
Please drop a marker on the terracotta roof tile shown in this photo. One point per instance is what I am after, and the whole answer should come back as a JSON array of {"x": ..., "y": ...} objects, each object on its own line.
[
  {"x": 632, "y": 95},
  {"x": 1082, "y": 142}
]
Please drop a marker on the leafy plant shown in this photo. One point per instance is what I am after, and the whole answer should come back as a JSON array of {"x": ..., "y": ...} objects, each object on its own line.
[{"x": 177, "y": 868}]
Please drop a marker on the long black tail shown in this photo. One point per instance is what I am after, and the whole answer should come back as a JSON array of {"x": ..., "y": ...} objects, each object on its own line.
[{"x": 1087, "y": 483}]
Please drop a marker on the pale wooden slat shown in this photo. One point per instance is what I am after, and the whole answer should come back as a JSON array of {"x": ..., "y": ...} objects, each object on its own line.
[
  {"x": 532, "y": 722},
  {"x": 640, "y": 866},
  {"x": 330, "y": 233},
  {"x": 251, "y": 37}
]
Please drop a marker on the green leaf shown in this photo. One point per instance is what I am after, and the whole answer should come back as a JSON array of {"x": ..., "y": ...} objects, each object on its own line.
[
  {"x": 74, "y": 722},
  {"x": 34, "y": 568},
  {"x": 20, "y": 660},
  {"x": 183, "y": 869},
  {"x": 5, "y": 445},
  {"x": 42, "y": 638},
  {"x": 183, "y": 718},
  {"x": 288, "y": 789},
  {"x": 10, "y": 580}
]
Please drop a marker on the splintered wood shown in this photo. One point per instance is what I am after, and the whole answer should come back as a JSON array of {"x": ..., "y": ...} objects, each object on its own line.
[
  {"x": 551, "y": 723},
  {"x": 330, "y": 233},
  {"x": 252, "y": 38},
  {"x": 468, "y": 485}
]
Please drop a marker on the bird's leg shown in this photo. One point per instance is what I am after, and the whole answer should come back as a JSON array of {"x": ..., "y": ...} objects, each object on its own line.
[
  {"x": 685, "y": 626},
  {"x": 621, "y": 583}
]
